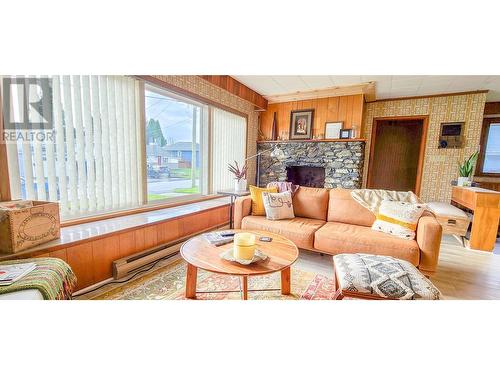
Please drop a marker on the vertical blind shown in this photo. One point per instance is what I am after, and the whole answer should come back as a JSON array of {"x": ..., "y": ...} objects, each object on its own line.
[
  {"x": 229, "y": 134},
  {"x": 94, "y": 161}
]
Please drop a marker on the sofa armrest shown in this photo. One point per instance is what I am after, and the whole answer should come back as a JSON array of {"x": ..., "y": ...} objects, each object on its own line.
[
  {"x": 429, "y": 233},
  {"x": 242, "y": 208}
]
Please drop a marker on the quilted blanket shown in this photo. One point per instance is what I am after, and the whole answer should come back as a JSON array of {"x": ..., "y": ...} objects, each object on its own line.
[
  {"x": 372, "y": 198},
  {"x": 52, "y": 277}
]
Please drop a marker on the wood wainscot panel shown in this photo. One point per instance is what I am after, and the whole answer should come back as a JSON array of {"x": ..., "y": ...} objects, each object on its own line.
[
  {"x": 168, "y": 231},
  {"x": 127, "y": 243},
  {"x": 150, "y": 236},
  {"x": 104, "y": 252},
  {"x": 61, "y": 254},
  {"x": 80, "y": 259}
]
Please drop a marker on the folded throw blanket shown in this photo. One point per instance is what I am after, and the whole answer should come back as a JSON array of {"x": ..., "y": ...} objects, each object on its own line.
[
  {"x": 283, "y": 186},
  {"x": 372, "y": 198},
  {"x": 52, "y": 277}
]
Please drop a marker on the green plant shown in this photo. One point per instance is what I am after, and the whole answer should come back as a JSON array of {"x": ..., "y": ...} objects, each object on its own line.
[{"x": 467, "y": 167}]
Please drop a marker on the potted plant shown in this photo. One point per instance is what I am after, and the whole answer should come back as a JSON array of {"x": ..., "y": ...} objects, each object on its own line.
[
  {"x": 466, "y": 169},
  {"x": 240, "y": 176}
]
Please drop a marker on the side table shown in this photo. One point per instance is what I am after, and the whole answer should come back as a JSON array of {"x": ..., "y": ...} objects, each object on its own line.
[{"x": 233, "y": 194}]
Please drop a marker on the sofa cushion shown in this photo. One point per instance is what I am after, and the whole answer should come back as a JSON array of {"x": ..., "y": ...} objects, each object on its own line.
[
  {"x": 343, "y": 208},
  {"x": 278, "y": 205},
  {"x": 257, "y": 200},
  {"x": 299, "y": 230},
  {"x": 311, "y": 203},
  {"x": 337, "y": 238}
]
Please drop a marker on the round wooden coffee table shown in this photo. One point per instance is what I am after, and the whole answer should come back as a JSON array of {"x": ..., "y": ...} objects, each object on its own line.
[{"x": 199, "y": 253}]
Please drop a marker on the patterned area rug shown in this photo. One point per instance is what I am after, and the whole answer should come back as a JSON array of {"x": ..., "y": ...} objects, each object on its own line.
[{"x": 168, "y": 283}]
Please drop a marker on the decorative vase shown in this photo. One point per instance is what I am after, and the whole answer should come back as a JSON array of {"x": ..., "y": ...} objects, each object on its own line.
[
  {"x": 240, "y": 185},
  {"x": 462, "y": 181}
]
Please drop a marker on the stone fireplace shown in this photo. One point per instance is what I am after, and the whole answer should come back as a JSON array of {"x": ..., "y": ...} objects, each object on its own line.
[{"x": 327, "y": 164}]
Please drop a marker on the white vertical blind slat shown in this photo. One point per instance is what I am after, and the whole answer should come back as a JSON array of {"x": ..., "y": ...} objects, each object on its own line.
[
  {"x": 29, "y": 181},
  {"x": 126, "y": 144},
  {"x": 12, "y": 153},
  {"x": 140, "y": 136},
  {"x": 113, "y": 134},
  {"x": 98, "y": 151},
  {"x": 71, "y": 167},
  {"x": 120, "y": 138},
  {"x": 106, "y": 155},
  {"x": 50, "y": 154},
  {"x": 38, "y": 160},
  {"x": 89, "y": 143},
  {"x": 132, "y": 136},
  {"x": 60, "y": 145},
  {"x": 80, "y": 144}
]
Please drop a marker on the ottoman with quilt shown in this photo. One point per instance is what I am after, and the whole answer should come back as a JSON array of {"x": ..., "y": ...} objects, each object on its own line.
[{"x": 368, "y": 276}]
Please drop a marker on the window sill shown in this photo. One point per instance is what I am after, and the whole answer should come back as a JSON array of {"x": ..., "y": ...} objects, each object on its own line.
[
  {"x": 78, "y": 233},
  {"x": 146, "y": 208}
]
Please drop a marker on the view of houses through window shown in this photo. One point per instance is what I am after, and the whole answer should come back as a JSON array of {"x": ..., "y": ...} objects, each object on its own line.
[{"x": 173, "y": 137}]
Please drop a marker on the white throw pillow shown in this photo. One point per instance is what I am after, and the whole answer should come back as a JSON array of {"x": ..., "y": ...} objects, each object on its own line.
[
  {"x": 398, "y": 218},
  {"x": 278, "y": 205}
]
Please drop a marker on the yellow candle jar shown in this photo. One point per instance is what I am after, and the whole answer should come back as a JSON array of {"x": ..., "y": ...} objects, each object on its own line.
[{"x": 244, "y": 246}]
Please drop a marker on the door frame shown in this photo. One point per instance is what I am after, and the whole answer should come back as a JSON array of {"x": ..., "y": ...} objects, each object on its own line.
[{"x": 421, "y": 155}]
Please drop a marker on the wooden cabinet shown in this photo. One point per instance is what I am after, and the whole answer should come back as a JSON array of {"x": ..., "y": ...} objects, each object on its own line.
[{"x": 486, "y": 206}]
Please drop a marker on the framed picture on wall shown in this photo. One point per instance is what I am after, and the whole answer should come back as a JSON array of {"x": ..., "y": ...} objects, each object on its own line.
[
  {"x": 346, "y": 133},
  {"x": 332, "y": 129},
  {"x": 301, "y": 124}
]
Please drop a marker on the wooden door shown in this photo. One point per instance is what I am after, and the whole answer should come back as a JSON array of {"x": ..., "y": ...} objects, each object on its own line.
[{"x": 396, "y": 154}]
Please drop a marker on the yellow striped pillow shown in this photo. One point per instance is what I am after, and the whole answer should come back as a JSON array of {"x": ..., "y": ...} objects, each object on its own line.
[{"x": 398, "y": 218}]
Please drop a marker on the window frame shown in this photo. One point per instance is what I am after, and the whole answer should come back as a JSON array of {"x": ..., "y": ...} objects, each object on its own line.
[
  {"x": 203, "y": 139},
  {"x": 487, "y": 121},
  {"x": 5, "y": 193}
]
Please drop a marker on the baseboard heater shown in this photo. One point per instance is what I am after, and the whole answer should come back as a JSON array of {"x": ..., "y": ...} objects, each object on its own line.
[{"x": 124, "y": 266}]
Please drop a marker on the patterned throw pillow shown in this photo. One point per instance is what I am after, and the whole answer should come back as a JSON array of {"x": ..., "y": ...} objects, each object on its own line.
[
  {"x": 398, "y": 218},
  {"x": 278, "y": 205},
  {"x": 257, "y": 203}
]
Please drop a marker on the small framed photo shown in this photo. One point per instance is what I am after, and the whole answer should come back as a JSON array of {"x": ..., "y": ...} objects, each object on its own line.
[
  {"x": 346, "y": 133},
  {"x": 301, "y": 124},
  {"x": 332, "y": 129}
]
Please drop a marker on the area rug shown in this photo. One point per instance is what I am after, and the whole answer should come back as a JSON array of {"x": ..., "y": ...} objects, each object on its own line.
[{"x": 168, "y": 283}]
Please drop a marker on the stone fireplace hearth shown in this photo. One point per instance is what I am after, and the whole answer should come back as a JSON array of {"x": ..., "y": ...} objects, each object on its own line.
[{"x": 342, "y": 162}]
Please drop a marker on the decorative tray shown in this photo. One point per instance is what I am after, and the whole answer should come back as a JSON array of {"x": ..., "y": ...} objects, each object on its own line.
[{"x": 258, "y": 256}]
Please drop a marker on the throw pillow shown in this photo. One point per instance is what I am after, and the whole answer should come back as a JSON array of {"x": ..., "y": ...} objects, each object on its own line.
[
  {"x": 278, "y": 205},
  {"x": 398, "y": 218},
  {"x": 257, "y": 202}
]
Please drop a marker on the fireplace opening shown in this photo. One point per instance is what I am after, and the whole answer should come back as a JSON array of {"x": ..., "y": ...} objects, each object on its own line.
[{"x": 306, "y": 176}]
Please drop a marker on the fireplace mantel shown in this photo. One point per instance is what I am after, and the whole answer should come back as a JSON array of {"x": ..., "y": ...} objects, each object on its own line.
[{"x": 315, "y": 140}]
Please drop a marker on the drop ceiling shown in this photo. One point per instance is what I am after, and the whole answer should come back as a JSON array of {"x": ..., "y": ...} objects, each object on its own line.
[{"x": 386, "y": 87}]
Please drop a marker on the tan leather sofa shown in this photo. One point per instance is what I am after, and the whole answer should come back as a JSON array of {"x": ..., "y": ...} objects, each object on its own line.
[{"x": 331, "y": 221}]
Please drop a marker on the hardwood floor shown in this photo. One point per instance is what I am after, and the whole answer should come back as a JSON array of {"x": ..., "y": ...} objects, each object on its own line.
[{"x": 462, "y": 274}]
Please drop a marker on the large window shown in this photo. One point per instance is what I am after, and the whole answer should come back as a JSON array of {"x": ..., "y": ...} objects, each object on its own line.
[
  {"x": 116, "y": 143},
  {"x": 175, "y": 127},
  {"x": 489, "y": 161}
]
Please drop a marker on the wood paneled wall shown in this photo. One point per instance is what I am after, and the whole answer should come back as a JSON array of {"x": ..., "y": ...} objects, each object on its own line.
[
  {"x": 348, "y": 109},
  {"x": 237, "y": 88},
  {"x": 92, "y": 260}
]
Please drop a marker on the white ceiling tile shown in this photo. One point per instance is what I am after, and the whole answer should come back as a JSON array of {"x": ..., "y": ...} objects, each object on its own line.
[
  {"x": 317, "y": 82},
  {"x": 386, "y": 86}
]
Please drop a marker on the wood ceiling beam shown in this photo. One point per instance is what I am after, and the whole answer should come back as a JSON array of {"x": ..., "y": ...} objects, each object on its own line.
[
  {"x": 367, "y": 89},
  {"x": 237, "y": 88}
]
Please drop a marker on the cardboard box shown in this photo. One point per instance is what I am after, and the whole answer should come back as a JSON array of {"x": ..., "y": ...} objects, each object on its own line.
[{"x": 25, "y": 224}]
